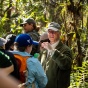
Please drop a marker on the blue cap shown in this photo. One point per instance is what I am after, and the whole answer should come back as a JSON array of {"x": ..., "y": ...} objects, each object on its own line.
[{"x": 25, "y": 40}]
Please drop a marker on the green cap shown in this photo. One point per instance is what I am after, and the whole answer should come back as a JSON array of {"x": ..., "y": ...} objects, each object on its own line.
[{"x": 29, "y": 21}]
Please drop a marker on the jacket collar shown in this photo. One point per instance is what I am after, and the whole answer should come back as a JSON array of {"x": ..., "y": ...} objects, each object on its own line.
[
  {"x": 21, "y": 53},
  {"x": 59, "y": 46}
]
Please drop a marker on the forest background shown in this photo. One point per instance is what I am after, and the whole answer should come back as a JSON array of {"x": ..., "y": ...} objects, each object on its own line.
[{"x": 72, "y": 15}]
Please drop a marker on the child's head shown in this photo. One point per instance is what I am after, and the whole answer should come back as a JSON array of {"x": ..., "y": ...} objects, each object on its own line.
[
  {"x": 10, "y": 42},
  {"x": 24, "y": 42}
]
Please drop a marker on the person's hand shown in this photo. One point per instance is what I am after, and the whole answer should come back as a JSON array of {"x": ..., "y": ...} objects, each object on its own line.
[
  {"x": 47, "y": 46},
  {"x": 21, "y": 85}
]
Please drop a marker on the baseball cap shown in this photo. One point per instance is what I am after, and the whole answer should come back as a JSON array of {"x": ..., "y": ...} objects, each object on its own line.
[
  {"x": 25, "y": 40},
  {"x": 54, "y": 26},
  {"x": 2, "y": 41},
  {"x": 29, "y": 21}
]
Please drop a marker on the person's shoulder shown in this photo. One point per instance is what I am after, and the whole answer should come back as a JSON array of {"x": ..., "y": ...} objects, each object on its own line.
[
  {"x": 63, "y": 46},
  {"x": 34, "y": 33},
  {"x": 9, "y": 53},
  {"x": 32, "y": 61},
  {"x": 66, "y": 47},
  {"x": 34, "y": 36}
]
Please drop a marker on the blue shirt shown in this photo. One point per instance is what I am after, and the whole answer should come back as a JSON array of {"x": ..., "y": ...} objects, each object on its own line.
[{"x": 36, "y": 73}]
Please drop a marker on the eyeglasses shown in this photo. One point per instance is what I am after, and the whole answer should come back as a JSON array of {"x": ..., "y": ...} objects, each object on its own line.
[{"x": 52, "y": 32}]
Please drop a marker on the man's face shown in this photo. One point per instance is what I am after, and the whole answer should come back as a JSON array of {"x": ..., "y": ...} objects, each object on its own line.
[
  {"x": 53, "y": 36},
  {"x": 27, "y": 27}
]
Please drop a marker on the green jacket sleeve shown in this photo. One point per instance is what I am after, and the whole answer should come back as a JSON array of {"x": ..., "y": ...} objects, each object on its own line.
[{"x": 63, "y": 59}]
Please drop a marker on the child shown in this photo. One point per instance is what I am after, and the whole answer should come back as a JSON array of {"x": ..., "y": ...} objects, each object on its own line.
[{"x": 36, "y": 77}]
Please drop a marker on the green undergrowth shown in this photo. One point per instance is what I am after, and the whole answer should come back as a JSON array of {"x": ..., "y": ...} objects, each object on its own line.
[{"x": 79, "y": 76}]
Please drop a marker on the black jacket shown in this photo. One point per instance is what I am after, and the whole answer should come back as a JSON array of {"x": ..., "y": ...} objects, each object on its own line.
[
  {"x": 15, "y": 73},
  {"x": 35, "y": 36}
]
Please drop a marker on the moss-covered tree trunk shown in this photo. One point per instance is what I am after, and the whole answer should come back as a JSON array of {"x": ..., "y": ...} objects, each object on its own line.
[
  {"x": 8, "y": 21},
  {"x": 76, "y": 9},
  {"x": 1, "y": 8},
  {"x": 79, "y": 57}
]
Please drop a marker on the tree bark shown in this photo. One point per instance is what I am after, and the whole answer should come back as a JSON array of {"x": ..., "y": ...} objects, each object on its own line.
[
  {"x": 79, "y": 57},
  {"x": 1, "y": 8},
  {"x": 8, "y": 22}
]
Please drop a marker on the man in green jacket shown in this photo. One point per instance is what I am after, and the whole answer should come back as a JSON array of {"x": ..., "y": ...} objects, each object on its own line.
[{"x": 56, "y": 59}]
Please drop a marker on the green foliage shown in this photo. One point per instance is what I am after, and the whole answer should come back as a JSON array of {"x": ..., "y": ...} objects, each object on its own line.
[
  {"x": 45, "y": 11},
  {"x": 79, "y": 76}
]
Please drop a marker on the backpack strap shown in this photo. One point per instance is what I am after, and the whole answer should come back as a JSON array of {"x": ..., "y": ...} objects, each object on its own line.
[
  {"x": 22, "y": 65},
  {"x": 21, "y": 60}
]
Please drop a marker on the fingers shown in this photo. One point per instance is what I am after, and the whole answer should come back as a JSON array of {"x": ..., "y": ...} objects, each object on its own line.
[
  {"x": 46, "y": 45},
  {"x": 21, "y": 85}
]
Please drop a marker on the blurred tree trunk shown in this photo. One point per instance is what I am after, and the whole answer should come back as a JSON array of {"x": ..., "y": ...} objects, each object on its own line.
[
  {"x": 76, "y": 13},
  {"x": 79, "y": 57},
  {"x": 8, "y": 21},
  {"x": 87, "y": 34},
  {"x": 1, "y": 8},
  {"x": 54, "y": 9}
]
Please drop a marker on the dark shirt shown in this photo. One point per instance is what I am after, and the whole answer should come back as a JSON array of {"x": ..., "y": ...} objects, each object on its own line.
[
  {"x": 15, "y": 73},
  {"x": 35, "y": 36},
  {"x": 4, "y": 60}
]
